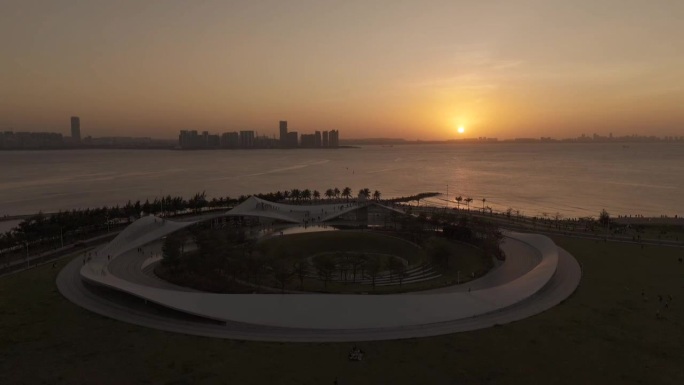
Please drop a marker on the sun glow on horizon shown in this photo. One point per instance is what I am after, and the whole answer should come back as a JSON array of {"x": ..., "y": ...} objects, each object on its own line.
[{"x": 461, "y": 130}]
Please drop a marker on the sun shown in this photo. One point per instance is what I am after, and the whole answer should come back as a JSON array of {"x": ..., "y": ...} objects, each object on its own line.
[{"x": 461, "y": 130}]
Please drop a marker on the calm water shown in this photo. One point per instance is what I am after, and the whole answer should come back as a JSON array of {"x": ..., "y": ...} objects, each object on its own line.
[{"x": 570, "y": 179}]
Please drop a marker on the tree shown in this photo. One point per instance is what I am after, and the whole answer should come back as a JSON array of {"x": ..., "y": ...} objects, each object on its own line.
[
  {"x": 439, "y": 250},
  {"x": 397, "y": 268},
  {"x": 329, "y": 193},
  {"x": 306, "y": 194},
  {"x": 373, "y": 268},
  {"x": 346, "y": 193},
  {"x": 604, "y": 219},
  {"x": 337, "y": 192},
  {"x": 171, "y": 251},
  {"x": 364, "y": 193},
  {"x": 344, "y": 264},
  {"x": 295, "y": 194},
  {"x": 301, "y": 268},
  {"x": 281, "y": 272},
  {"x": 459, "y": 199},
  {"x": 357, "y": 261},
  {"x": 376, "y": 195},
  {"x": 325, "y": 266},
  {"x": 316, "y": 195},
  {"x": 467, "y": 201}
]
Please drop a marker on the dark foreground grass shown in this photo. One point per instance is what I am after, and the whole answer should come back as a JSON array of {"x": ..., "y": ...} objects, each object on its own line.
[{"x": 604, "y": 334}]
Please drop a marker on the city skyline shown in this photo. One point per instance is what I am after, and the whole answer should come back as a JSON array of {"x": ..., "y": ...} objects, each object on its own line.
[{"x": 388, "y": 69}]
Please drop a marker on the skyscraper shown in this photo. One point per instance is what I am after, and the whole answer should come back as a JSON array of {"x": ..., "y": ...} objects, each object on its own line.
[
  {"x": 246, "y": 139},
  {"x": 334, "y": 138},
  {"x": 75, "y": 129},
  {"x": 283, "y": 133}
]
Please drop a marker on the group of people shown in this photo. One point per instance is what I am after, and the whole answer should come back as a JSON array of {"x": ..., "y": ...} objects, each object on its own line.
[
  {"x": 663, "y": 303},
  {"x": 355, "y": 354}
]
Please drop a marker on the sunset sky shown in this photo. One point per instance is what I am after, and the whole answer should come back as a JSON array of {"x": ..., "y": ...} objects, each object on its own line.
[{"x": 411, "y": 69}]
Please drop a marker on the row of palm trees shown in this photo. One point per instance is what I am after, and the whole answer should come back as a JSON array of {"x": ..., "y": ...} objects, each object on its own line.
[
  {"x": 298, "y": 195},
  {"x": 467, "y": 200}
]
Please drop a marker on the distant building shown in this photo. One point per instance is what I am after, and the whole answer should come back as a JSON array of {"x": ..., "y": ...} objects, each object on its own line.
[
  {"x": 292, "y": 139},
  {"x": 334, "y": 138},
  {"x": 213, "y": 141},
  {"x": 230, "y": 140},
  {"x": 189, "y": 139},
  {"x": 308, "y": 140},
  {"x": 76, "y": 129},
  {"x": 30, "y": 140},
  {"x": 246, "y": 139},
  {"x": 283, "y": 133},
  {"x": 263, "y": 141}
]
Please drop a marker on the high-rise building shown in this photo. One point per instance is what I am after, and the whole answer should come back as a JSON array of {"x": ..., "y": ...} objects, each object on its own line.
[
  {"x": 246, "y": 139},
  {"x": 190, "y": 139},
  {"x": 325, "y": 142},
  {"x": 308, "y": 140},
  {"x": 75, "y": 129},
  {"x": 334, "y": 139},
  {"x": 283, "y": 133},
  {"x": 292, "y": 139},
  {"x": 230, "y": 140},
  {"x": 317, "y": 139}
]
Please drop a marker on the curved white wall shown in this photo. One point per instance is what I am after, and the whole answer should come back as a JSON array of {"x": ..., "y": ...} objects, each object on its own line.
[{"x": 323, "y": 311}]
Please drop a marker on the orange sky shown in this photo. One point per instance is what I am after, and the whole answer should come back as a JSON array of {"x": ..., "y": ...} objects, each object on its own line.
[{"x": 411, "y": 69}]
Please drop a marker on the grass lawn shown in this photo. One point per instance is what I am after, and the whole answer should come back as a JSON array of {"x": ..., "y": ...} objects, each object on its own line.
[{"x": 604, "y": 334}]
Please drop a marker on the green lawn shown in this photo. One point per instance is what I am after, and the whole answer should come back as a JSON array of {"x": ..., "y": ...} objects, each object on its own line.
[{"x": 604, "y": 334}]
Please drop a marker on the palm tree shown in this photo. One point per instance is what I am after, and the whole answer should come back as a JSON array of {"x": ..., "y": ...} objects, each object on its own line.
[
  {"x": 459, "y": 199},
  {"x": 329, "y": 193},
  {"x": 376, "y": 195},
  {"x": 295, "y": 194},
  {"x": 306, "y": 194},
  {"x": 346, "y": 193},
  {"x": 364, "y": 193},
  {"x": 467, "y": 201},
  {"x": 316, "y": 195},
  {"x": 337, "y": 192}
]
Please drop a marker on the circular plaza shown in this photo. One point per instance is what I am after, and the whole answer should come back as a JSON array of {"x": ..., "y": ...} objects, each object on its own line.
[{"x": 414, "y": 298}]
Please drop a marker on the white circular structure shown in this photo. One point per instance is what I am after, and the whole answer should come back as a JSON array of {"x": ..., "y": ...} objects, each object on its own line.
[{"x": 535, "y": 276}]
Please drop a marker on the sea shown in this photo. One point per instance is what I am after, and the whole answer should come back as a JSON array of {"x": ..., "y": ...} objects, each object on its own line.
[{"x": 568, "y": 180}]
